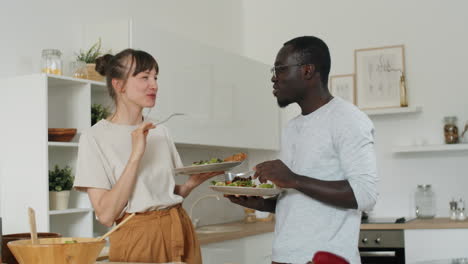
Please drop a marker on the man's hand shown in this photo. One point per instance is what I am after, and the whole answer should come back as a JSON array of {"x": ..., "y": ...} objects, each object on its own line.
[
  {"x": 277, "y": 172},
  {"x": 254, "y": 202}
]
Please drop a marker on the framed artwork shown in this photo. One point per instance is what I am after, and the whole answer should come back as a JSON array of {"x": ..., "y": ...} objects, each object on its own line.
[
  {"x": 343, "y": 86},
  {"x": 378, "y": 72}
]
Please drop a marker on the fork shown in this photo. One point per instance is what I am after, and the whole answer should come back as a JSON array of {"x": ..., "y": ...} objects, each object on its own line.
[{"x": 169, "y": 117}]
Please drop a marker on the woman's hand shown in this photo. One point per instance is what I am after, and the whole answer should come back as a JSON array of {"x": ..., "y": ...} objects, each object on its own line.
[
  {"x": 201, "y": 177},
  {"x": 194, "y": 181},
  {"x": 139, "y": 140}
]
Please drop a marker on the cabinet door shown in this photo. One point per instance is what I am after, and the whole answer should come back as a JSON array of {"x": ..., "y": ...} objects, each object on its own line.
[
  {"x": 229, "y": 252},
  {"x": 258, "y": 248},
  {"x": 433, "y": 244},
  {"x": 253, "y": 249},
  {"x": 227, "y": 97},
  {"x": 23, "y": 153}
]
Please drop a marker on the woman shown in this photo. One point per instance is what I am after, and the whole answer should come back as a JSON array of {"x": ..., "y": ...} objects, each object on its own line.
[{"x": 125, "y": 165}]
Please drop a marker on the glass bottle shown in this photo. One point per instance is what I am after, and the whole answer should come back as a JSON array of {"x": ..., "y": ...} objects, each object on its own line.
[
  {"x": 51, "y": 61},
  {"x": 403, "y": 98},
  {"x": 425, "y": 202},
  {"x": 453, "y": 210},
  {"x": 450, "y": 130}
]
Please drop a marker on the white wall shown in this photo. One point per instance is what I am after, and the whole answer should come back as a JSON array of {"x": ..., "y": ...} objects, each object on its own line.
[
  {"x": 27, "y": 27},
  {"x": 435, "y": 35}
]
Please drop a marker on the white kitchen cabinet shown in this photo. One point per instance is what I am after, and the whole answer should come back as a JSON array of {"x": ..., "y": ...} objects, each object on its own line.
[
  {"x": 227, "y": 252},
  {"x": 28, "y": 106},
  {"x": 432, "y": 244},
  {"x": 228, "y": 98},
  {"x": 252, "y": 249},
  {"x": 258, "y": 248}
]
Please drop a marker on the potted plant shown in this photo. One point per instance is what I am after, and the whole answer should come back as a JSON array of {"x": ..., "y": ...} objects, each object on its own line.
[
  {"x": 60, "y": 184},
  {"x": 89, "y": 57},
  {"x": 98, "y": 112}
]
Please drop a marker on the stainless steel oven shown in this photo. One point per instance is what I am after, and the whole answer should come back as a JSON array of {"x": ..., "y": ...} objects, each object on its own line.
[{"x": 382, "y": 246}]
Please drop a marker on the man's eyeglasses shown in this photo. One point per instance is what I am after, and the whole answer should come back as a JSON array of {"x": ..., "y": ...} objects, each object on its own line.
[{"x": 277, "y": 69}]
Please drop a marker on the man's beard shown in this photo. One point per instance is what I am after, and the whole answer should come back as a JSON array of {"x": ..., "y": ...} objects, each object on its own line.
[{"x": 283, "y": 103}]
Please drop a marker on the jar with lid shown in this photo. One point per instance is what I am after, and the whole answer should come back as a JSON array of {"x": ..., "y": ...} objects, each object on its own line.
[
  {"x": 425, "y": 202},
  {"x": 450, "y": 130},
  {"x": 51, "y": 61}
]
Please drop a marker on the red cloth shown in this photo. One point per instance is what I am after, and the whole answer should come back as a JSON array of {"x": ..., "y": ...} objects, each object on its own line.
[{"x": 322, "y": 257}]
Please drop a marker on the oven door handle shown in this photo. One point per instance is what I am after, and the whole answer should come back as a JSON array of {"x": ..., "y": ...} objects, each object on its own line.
[{"x": 377, "y": 253}]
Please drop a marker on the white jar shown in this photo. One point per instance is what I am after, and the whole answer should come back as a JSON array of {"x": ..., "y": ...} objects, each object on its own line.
[{"x": 425, "y": 202}]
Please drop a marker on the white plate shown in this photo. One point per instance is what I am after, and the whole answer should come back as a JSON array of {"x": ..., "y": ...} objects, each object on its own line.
[
  {"x": 223, "y": 166},
  {"x": 233, "y": 190}
]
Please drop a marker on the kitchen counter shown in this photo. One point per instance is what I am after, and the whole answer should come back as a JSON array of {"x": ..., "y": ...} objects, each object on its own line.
[
  {"x": 435, "y": 223},
  {"x": 248, "y": 229},
  {"x": 251, "y": 229}
]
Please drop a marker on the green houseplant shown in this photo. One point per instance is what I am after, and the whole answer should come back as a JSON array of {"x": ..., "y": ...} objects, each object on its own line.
[
  {"x": 98, "y": 112},
  {"x": 60, "y": 184},
  {"x": 89, "y": 57}
]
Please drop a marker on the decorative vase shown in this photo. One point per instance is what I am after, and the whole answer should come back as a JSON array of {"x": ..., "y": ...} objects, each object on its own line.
[
  {"x": 92, "y": 73},
  {"x": 58, "y": 200}
]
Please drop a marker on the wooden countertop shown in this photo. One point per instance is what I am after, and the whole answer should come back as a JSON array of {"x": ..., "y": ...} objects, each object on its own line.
[
  {"x": 248, "y": 229},
  {"x": 435, "y": 223}
]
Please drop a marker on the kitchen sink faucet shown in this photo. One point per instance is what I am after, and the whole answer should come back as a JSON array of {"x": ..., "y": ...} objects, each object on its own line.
[{"x": 196, "y": 220}]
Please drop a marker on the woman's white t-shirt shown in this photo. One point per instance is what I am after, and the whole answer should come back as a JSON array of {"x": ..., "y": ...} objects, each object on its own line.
[{"x": 104, "y": 150}]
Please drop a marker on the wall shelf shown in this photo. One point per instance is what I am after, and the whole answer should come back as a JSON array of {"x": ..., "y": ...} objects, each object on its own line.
[
  {"x": 392, "y": 111},
  {"x": 430, "y": 148},
  {"x": 63, "y": 144},
  {"x": 59, "y": 80},
  {"x": 70, "y": 211}
]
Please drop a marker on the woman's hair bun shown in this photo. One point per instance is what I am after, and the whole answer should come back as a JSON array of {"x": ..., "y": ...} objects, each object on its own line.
[{"x": 102, "y": 64}]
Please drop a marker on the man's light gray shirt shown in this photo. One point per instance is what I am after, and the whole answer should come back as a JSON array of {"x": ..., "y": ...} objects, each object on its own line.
[{"x": 335, "y": 142}]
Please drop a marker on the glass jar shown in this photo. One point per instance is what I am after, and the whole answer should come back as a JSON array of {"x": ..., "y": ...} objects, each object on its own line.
[
  {"x": 450, "y": 130},
  {"x": 51, "y": 61},
  {"x": 425, "y": 202},
  {"x": 78, "y": 69},
  {"x": 249, "y": 215}
]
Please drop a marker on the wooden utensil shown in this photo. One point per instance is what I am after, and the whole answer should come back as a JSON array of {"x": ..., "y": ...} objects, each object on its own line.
[
  {"x": 32, "y": 225},
  {"x": 115, "y": 228}
]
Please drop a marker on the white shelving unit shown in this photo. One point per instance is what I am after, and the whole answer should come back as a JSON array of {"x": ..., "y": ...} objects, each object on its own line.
[
  {"x": 48, "y": 101},
  {"x": 393, "y": 111},
  {"x": 63, "y": 144},
  {"x": 430, "y": 148},
  {"x": 70, "y": 211}
]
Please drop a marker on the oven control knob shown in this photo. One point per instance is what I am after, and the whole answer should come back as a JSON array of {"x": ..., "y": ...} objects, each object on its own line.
[
  {"x": 364, "y": 240},
  {"x": 378, "y": 240}
]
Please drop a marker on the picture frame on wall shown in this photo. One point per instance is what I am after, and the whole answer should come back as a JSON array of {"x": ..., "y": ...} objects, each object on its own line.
[
  {"x": 379, "y": 74},
  {"x": 343, "y": 86}
]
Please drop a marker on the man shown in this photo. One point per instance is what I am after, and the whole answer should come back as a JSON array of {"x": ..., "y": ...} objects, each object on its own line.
[{"x": 327, "y": 162}]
